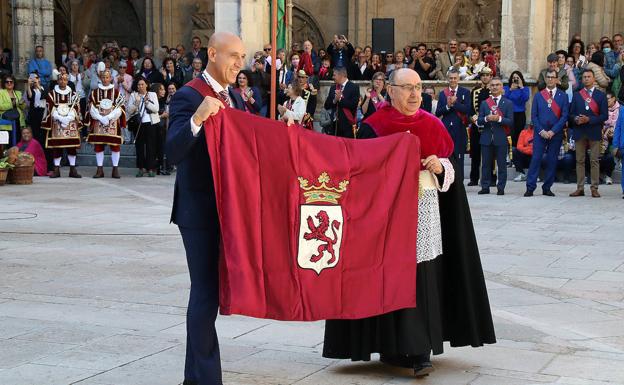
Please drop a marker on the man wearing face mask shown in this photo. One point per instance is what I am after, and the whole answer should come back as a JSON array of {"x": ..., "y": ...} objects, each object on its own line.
[{"x": 610, "y": 59}]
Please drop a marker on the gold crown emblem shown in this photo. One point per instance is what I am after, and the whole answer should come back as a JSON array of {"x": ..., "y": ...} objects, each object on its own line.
[{"x": 322, "y": 192}]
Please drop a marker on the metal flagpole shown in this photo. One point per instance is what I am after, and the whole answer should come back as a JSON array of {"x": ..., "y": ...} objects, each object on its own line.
[{"x": 273, "y": 104}]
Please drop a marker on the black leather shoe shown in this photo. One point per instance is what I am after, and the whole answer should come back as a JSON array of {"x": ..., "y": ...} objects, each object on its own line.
[
  {"x": 548, "y": 193},
  {"x": 399, "y": 361},
  {"x": 422, "y": 365},
  {"x": 472, "y": 183},
  {"x": 484, "y": 191},
  {"x": 528, "y": 193},
  {"x": 500, "y": 192}
]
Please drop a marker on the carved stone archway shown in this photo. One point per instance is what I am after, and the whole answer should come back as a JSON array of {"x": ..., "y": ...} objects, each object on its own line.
[
  {"x": 104, "y": 21},
  {"x": 305, "y": 27},
  {"x": 468, "y": 20}
]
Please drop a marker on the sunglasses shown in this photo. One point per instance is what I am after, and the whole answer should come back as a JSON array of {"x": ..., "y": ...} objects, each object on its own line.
[
  {"x": 267, "y": 49},
  {"x": 8, "y": 81}
]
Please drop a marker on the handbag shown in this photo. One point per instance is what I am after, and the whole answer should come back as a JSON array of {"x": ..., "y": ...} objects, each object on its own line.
[
  {"x": 133, "y": 123},
  {"x": 12, "y": 114}
]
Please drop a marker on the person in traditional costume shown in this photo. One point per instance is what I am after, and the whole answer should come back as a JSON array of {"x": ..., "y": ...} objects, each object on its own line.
[
  {"x": 105, "y": 118},
  {"x": 451, "y": 298},
  {"x": 63, "y": 125}
]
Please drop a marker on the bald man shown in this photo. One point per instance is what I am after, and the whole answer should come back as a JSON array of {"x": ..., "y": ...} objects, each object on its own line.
[{"x": 194, "y": 209}]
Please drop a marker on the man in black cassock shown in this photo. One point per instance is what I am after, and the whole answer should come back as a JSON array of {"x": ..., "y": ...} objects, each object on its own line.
[{"x": 451, "y": 297}]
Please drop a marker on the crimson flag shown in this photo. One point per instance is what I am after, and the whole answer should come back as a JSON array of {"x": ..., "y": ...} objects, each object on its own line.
[{"x": 313, "y": 226}]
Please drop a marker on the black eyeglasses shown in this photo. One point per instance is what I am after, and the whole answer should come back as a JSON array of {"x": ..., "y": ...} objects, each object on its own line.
[{"x": 267, "y": 49}]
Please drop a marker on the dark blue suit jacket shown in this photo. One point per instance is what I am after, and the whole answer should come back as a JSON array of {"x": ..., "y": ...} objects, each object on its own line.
[
  {"x": 593, "y": 129},
  {"x": 452, "y": 122},
  {"x": 194, "y": 203},
  {"x": 543, "y": 117},
  {"x": 493, "y": 133}
]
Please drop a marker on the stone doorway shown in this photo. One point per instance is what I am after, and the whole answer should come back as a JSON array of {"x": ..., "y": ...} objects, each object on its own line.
[{"x": 105, "y": 21}]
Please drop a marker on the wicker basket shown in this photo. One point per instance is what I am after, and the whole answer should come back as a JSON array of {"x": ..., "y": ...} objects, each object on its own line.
[
  {"x": 22, "y": 174},
  {"x": 3, "y": 175}
]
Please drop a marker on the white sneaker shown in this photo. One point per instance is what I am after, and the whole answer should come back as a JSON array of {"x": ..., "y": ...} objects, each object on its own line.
[
  {"x": 608, "y": 180},
  {"x": 520, "y": 178}
]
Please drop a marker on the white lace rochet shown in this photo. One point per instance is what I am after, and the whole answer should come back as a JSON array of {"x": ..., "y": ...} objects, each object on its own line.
[{"x": 429, "y": 236}]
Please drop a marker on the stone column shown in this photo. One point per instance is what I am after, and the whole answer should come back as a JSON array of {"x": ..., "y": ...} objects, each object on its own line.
[
  {"x": 527, "y": 35},
  {"x": 562, "y": 24},
  {"x": 228, "y": 16},
  {"x": 33, "y": 25}
]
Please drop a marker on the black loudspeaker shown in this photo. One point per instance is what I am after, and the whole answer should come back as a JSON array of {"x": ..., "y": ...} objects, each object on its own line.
[{"x": 383, "y": 35}]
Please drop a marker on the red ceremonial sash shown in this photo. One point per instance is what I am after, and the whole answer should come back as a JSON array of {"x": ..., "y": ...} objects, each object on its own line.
[
  {"x": 494, "y": 108},
  {"x": 200, "y": 85},
  {"x": 590, "y": 101},
  {"x": 350, "y": 117},
  {"x": 552, "y": 104},
  {"x": 461, "y": 116}
]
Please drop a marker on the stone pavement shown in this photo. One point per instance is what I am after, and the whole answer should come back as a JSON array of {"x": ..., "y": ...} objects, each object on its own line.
[{"x": 93, "y": 288}]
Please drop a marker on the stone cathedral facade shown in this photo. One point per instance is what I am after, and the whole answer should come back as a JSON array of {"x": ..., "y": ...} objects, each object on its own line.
[{"x": 526, "y": 29}]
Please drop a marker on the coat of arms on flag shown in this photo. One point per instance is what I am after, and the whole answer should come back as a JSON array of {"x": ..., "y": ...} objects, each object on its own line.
[{"x": 321, "y": 224}]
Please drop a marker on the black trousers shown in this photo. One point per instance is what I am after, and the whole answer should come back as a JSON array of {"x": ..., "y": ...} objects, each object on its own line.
[
  {"x": 146, "y": 145},
  {"x": 203, "y": 362},
  {"x": 475, "y": 154},
  {"x": 521, "y": 160}
]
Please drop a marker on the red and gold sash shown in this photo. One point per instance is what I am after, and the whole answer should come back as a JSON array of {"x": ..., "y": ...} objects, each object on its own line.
[
  {"x": 552, "y": 104},
  {"x": 589, "y": 101},
  {"x": 495, "y": 110},
  {"x": 462, "y": 117}
]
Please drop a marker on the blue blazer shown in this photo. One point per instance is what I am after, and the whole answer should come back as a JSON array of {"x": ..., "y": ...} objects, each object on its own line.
[
  {"x": 194, "y": 204},
  {"x": 618, "y": 135},
  {"x": 543, "y": 117},
  {"x": 493, "y": 133},
  {"x": 452, "y": 122},
  {"x": 591, "y": 130}
]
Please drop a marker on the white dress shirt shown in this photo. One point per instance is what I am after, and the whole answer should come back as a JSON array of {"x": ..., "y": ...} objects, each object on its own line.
[{"x": 217, "y": 88}]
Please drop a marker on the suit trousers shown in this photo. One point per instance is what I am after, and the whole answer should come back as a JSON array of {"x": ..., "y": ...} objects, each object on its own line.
[
  {"x": 475, "y": 153},
  {"x": 551, "y": 148},
  {"x": 581, "y": 148},
  {"x": 488, "y": 153},
  {"x": 203, "y": 361}
]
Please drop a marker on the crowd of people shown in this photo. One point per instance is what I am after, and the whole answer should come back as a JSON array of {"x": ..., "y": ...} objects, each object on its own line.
[{"x": 146, "y": 80}]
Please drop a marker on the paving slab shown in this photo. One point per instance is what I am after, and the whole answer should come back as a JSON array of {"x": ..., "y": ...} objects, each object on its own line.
[{"x": 99, "y": 297}]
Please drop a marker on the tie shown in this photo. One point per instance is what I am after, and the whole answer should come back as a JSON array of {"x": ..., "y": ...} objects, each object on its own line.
[
  {"x": 552, "y": 94},
  {"x": 225, "y": 98},
  {"x": 589, "y": 92},
  {"x": 338, "y": 87},
  {"x": 452, "y": 92},
  {"x": 496, "y": 101}
]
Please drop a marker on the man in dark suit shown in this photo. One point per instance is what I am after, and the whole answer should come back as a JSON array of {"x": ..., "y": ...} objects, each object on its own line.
[
  {"x": 478, "y": 95},
  {"x": 495, "y": 116},
  {"x": 343, "y": 100},
  {"x": 427, "y": 103},
  {"x": 340, "y": 51},
  {"x": 194, "y": 208},
  {"x": 197, "y": 51},
  {"x": 549, "y": 114},
  {"x": 453, "y": 107},
  {"x": 588, "y": 112}
]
